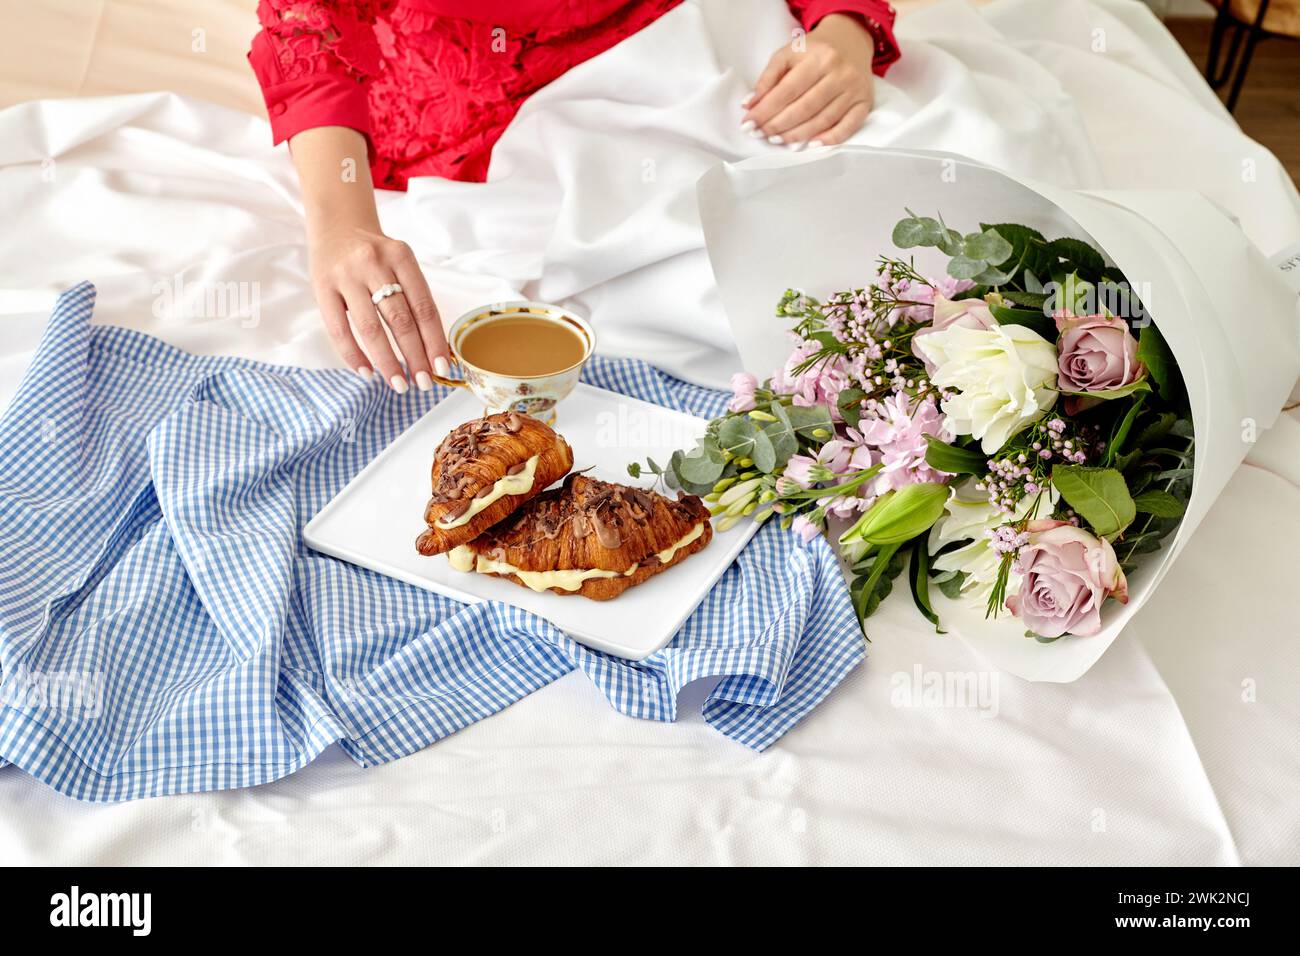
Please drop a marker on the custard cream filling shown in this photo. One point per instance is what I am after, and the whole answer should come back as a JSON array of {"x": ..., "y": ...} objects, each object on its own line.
[
  {"x": 463, "y": 558},
  {"x": 509, "y": 485}
]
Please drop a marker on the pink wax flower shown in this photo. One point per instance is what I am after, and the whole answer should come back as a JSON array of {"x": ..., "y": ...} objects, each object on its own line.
[{"x": 1066, "y": 576}]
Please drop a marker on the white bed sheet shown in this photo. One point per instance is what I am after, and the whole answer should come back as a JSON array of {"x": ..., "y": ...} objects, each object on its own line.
[{"x": 1180, "y": 746}]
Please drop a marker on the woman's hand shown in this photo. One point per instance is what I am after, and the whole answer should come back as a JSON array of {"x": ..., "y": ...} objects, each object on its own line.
[
  {"x": 817, "y": 96},
  {"x": 350, "y": 262},
  {"x": 351, "y": 259}
]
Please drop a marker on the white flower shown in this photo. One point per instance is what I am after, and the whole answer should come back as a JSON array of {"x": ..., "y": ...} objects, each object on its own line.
[
  {"x": 1001, "y": 379},
  {"x": 968, "y": 516}
]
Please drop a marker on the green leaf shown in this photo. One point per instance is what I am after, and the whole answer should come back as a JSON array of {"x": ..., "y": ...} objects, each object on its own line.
[
  {"x": 918, "y": 576},
  {"x": 1028, "y": 300},
  {"x": 944, "y": 457},
  {"x": 951, "y": 586},
  {"x": 1098, "y": 495},
  {"x": 869, "y": 590},
  {"x": 1079, "y": 254},
  {"x": 898, "y": 516},
  {"x": 849, "y": 402},
  {"x": 1122, "y": 428},
  {"x": 1030, "y": 318},
  {"x": 961, "y": 267},
  {"x": 988, "y": 245},
  {"x": 807, "y": 419},
  {"x": 1153, "y": 352},
  {"x": 697, "y": 469},
  {"x": 1159, "y": 503},
  {"x": 763, "y": 452},
  {"x": 738, "y": 435},
  {"x": 634, "y": 469},
  {"x": 1124, "y": 391}
]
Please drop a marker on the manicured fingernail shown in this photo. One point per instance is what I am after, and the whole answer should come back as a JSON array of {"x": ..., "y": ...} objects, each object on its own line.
[
  {"x": 748, "y": 125},
  {"x": 744, "y": 104},
  {"x": 815, "y": 143},
  {"x": 795, "y": 147},
  {"x": 422, "y": 381},
  {"x": 399, "y": 384},
  {"x": 365, "y": 373},
  {"x": 757, "y": 133},
  {"x": 775, "y": 140},
  {"x": 441, "y": 367}
]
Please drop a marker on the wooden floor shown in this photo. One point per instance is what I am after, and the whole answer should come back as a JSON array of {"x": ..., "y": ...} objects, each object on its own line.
[{"x": 1269, "y": 107}]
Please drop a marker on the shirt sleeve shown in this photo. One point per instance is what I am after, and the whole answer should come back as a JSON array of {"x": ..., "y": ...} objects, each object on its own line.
[
  {"x": 314, "y": 60},
  {"x": 877, "y": 18}
]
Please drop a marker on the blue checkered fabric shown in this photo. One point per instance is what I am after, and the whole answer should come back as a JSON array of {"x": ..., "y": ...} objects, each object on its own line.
[{"x": 164, "y": 629}]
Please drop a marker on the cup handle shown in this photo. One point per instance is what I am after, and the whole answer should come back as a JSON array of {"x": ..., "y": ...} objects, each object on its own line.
[{"x": 449, "y": 382}]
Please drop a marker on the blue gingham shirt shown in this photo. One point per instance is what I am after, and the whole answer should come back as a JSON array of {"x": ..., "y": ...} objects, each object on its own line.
[{"x": 164, "y": 629}]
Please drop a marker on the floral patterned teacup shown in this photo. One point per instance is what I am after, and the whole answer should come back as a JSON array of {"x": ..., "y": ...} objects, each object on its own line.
[{"x": 535, "y": 395}]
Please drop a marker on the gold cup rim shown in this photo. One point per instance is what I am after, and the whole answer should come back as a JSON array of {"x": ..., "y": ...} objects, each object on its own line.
[{"x": 542, "y": 310}]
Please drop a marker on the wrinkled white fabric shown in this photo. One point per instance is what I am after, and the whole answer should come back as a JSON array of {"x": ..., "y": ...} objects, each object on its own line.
[{"x": 1179, "y": 746}]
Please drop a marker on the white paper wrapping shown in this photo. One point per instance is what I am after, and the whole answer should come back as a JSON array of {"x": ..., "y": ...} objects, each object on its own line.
[{"x": 818, "y": 221}]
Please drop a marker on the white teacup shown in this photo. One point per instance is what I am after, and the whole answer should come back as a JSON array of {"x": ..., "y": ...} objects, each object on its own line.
[{"x": 535, "y": 395}]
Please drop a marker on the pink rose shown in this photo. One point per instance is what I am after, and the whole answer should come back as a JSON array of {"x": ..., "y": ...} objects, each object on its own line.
[
  {"x": 742, "y": 388},
  {"x": 1097, "y": 353},
  {"x": 1066, "y": 575},
  {"x": 966, "y": 313}
]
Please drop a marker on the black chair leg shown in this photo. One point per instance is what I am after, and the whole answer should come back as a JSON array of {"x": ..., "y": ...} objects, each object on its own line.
[{"x": 1253, "y": 34}]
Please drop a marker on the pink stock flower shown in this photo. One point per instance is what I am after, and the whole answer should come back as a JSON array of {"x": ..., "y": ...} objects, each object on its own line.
[
  {"x": 743, "y": 386},
  {"x": 1066, "y": 576},
  {"x": 820, "y": 384},
  {"x": 945, "y": 287},
  {"x": 897, "y": 432},
  {"x": 804, "y": 528}
]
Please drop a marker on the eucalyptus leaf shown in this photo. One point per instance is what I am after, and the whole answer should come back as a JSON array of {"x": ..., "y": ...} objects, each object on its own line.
[
  {"x": 989, "y": 246},
  {"x": 763, "y": 452},
  {"x": 962, "y": 267}
]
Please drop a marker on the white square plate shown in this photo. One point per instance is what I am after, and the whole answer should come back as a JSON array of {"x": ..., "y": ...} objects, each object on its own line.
[{"x": 374, "y": 521}]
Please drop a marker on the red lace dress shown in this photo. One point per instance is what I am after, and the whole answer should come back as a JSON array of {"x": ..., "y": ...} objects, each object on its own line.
[{"x": 433, "y": 83}]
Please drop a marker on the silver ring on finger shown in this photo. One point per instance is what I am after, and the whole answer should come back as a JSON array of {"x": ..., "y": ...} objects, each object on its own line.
[{"x": 384, "y": 291}]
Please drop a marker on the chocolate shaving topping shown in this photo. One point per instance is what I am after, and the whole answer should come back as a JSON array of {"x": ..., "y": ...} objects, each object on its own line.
[
  {"x": 516, "y": 469},
  {"x": 455, "y": 510},
  {"x": 606, "y": 534}
]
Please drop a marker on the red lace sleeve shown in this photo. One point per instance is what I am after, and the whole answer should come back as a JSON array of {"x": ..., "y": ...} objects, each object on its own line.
[
  {"x": 314, "y": 59},
  {"x": 876, "y": 15}
]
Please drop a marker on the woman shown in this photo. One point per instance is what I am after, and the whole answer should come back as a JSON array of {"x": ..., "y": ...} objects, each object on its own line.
[{"x": 373, "y": 92}]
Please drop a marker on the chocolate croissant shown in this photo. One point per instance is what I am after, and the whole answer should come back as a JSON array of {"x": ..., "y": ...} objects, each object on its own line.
[
  {"x": 485, "y": 469},
  {"x": 589, "y": 537}
]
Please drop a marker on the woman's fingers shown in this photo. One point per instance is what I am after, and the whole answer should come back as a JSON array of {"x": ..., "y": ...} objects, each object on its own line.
[
  {"x": 427, "y": 319},
  {"x": 370, "y": 330},
  {"x": 814, "y": 129},
  {"x": 396, "y": 312},
  {"x": 335, "y": 314},
  {"x": 848, "y": 124},
  {"x": 794, "y": 84},
  {"x": 781, "y": 61},
  {"x": 807, "y": 109}
]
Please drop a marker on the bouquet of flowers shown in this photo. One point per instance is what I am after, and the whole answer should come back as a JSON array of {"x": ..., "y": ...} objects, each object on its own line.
[{"x": 1014, "y": 432}]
